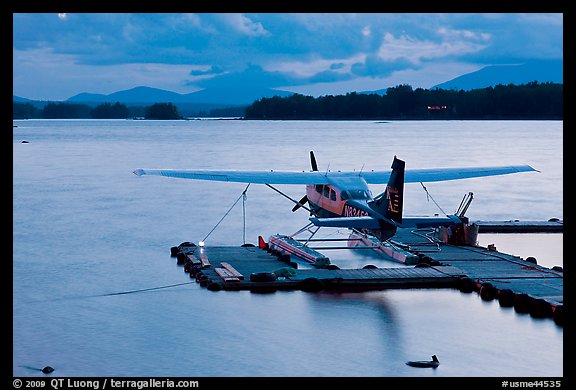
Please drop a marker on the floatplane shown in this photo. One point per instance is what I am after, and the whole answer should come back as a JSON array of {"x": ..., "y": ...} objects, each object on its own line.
[{"x": 342, "y": 199}]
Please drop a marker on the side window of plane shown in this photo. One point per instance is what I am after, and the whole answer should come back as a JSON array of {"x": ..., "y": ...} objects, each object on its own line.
[
  {"x": 332, "y": 195},
  {"x": 326, "y": 191},
  {"x": 344, "y": 195},
  {"x": 319, "y": 188}
]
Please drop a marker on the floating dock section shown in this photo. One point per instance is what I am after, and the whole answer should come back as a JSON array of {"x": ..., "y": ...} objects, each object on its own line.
[
  {"x": 513, "y": 281},
  {"x": 553, "y": 225},
  {"x": 388, "y": 249},
  {"x": 285, "y": 245}
]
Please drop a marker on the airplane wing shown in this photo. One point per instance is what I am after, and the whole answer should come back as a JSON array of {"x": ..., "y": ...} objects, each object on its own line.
[
  {"x": 256, "y": 177},
  {"x": 318, "y": 177},
  {"x": 445, "y": 174}
]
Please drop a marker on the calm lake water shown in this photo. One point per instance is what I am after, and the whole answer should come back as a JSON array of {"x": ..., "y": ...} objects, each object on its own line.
[{"x": 96, "y": 293}]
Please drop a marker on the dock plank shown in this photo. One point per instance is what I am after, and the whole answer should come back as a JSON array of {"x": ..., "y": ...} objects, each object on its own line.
[
  {"x": 232, "y": 270},
  {"x": 204, "y": 261},
  {"x": 226, "y": 275}
]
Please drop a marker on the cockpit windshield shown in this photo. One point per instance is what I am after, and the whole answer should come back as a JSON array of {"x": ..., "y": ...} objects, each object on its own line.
[{"x": 355, "y": 194}]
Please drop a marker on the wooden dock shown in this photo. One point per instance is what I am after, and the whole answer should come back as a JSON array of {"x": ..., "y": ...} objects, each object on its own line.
[
  {"x": 513, "y": 281},
  {"x": 553, "y": 225}
]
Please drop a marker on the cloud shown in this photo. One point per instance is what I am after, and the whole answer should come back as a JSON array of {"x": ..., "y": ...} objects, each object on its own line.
[
  {"x": 407, "y": 48},
  {"x": 366, "y": 31},
  {"x": 202, "y": 39},
  {"x": 58, "y": 76},
  {"x": 276, "y": 74},
  {"x": 213, "y": 70},
  {"x": 244, "y": 25},
  {"x": 329, "y": 76},
  {"x": 251, "y": 76},
  {"x": 455, "y": 35},
  {"x": 279, "y": 49},
  {"x": 406, "y": 52},
  {"x": 375, "y": 66}
]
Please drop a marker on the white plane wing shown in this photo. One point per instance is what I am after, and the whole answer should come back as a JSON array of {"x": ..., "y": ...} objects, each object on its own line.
[
  {"x": 318, "y": 177},
  {"x": 444, "y": 174},
  {"x": 256, "y": 177}
]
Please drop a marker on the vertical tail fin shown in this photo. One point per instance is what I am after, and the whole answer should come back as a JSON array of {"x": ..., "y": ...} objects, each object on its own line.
[{"x": 390, "y": 202}]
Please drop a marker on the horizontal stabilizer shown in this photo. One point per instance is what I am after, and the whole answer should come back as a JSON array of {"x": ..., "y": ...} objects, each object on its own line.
[
  {"x": 347, "y": 222},
  {"x": 424, "y": 222}
]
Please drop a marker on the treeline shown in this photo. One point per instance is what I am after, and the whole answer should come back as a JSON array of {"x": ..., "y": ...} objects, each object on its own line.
[
  {"x": 527, "y": 101},
  {"x": 102, "y": 111}
]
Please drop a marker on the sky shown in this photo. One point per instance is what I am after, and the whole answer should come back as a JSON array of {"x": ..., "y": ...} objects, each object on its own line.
[{"x": 59, "y": 55}]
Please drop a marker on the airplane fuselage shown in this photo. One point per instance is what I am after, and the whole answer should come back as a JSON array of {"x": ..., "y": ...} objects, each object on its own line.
[{"x": 330, "y": 201}]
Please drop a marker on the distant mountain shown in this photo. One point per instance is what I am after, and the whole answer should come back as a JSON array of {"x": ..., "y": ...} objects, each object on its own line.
[
  {"x": 148, "y": 95},
  {"x": 540, "y": 71},
  {"x": 134, "y": 95},
  {"x": 234, "y": 96},
  {"x": 87, "y": 97},
  {"x": 19, "y": 99}
]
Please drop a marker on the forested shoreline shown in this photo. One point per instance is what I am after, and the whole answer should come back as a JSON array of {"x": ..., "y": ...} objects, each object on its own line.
[
  {"x": 57, "y": 110},
  {"x": 527, "y": 101}
]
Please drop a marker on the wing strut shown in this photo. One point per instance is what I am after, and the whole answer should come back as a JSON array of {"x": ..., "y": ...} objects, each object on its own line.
[{"x": 298, "y": 203}]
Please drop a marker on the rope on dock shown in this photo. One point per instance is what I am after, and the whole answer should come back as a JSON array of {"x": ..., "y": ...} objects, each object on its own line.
[
  {"x": 242, "y": 196},
  {"x": 109, "y": 294},
  {"x": 141, "y": 290},
  {"x": 428, "y": 196}
]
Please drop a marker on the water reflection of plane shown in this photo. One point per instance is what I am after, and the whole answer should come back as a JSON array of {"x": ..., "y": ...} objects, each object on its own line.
[
  {"x": 343, "y": 199},
  {"x": 372, "y": 308}
]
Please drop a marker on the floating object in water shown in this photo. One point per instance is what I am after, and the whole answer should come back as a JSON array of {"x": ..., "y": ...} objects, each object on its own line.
[
  {"x": 47, "y": 370},
  {"x": 425, "y": 363}
]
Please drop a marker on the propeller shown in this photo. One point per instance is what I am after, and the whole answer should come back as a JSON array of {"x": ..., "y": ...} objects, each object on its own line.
[
  {"x": 313, "y": 161},
  {"x": 304, "y": 199},
  {"x": 300, "y": 203}
]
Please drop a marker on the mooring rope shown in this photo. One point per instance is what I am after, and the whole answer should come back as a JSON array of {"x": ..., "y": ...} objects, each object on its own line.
[
  {"x": 110, "y": 294},
  {"x": 142, "y": 290},
  {"x": 430, "y": 197},
  {"x": 242, "y": 196}
]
